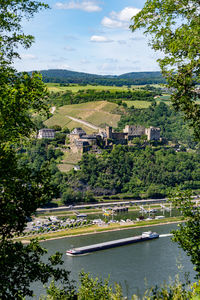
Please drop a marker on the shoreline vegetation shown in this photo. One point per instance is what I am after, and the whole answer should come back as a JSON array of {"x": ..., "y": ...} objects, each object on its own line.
[{"x": 94, "y": 229}]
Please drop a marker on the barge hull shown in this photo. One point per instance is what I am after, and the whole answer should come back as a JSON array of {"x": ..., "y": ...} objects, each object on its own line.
[{"x": 108, "y": 245}]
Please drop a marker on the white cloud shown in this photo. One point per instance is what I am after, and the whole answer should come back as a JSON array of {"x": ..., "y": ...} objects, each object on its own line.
[
  {"x": 120, "y": 19},
  {"x": 125, "y": 14},
  {"x": 89, "y": 6},
  {"x": 100, "y": 39},
  {"x": 110, "y": 23},
  {"x": 28, "y": 56}
]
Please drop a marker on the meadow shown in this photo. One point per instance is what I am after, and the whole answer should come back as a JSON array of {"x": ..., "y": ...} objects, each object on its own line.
[
  {"x": 98, "y": 113},
  {"x": 138, "y": 104},
  {"x": 55, "y": 87},
  {"x": 69, "y": 160}
]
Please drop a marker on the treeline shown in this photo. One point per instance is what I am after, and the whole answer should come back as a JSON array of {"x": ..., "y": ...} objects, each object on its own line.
[
  {"x": 105, "y": 81},
  {"x": 139, "y": 171},
  {"x": 149, "y": 172},
  {"x": 173, "y": 127},
  {"x": 69, "y": 77},
  {"x": 82, "y": 96}
]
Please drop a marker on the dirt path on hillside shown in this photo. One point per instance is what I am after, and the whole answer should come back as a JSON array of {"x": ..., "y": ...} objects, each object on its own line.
[{"x": 84, "y": 123}]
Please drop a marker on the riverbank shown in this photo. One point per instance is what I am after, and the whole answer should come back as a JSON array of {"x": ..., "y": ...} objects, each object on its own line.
[
  {"x": 94, "y": 229},
  {"x": 93, "y": 211}
]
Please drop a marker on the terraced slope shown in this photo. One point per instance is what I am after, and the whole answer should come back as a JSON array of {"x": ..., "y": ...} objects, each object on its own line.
[{"x": 100, "y": 114}]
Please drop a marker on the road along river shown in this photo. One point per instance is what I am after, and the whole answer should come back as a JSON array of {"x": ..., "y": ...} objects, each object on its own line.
[{"x": 135, "y": 266}]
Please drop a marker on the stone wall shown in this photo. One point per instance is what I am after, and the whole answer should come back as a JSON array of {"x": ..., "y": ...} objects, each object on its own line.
[{"x": 134, "y": 130}]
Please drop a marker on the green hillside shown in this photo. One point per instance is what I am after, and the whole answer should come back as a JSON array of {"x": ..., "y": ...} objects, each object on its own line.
[
  {"x": 66, "y": 76},
  {"x": 98, "y": 113}
]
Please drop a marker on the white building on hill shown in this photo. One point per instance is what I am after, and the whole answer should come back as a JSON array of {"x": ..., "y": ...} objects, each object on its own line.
[{"x": 46, "y": 133}]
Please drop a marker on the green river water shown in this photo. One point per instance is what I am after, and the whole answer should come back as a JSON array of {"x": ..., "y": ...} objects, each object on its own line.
[{"x": 135, "y": 266}]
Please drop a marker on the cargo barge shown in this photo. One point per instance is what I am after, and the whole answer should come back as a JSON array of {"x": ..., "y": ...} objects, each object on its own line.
[{"x": 146, "y": 236}]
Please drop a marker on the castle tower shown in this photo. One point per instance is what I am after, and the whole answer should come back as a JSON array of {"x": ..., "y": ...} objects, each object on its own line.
[
  {"x": 109, "y": 132},
  {"x": 153, "y": 133}
]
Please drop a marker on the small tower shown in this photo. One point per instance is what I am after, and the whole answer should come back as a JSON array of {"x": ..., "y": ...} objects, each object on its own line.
[
  {"x": 109, "y": 132},
  {"x": 153, "y": 133}
]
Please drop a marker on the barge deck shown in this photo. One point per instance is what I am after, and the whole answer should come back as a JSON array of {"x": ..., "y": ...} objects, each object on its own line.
[{"x": 146, "y": 236}]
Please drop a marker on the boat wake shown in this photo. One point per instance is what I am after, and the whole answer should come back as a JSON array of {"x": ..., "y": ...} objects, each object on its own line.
[{"x": 165, "y": 235}]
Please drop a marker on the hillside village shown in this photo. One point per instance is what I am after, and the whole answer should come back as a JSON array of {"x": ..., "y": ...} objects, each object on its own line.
[{"x": 82, "y": 142}]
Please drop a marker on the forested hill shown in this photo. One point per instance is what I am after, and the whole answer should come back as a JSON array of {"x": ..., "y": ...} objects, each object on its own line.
[{"x": 68, "y": 77}]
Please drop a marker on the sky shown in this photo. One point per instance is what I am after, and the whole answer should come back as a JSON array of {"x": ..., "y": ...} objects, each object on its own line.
[{"x": 87, "y": 36}]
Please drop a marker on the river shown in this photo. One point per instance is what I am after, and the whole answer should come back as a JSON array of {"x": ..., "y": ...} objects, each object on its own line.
[{"x": 135, "y": 266}]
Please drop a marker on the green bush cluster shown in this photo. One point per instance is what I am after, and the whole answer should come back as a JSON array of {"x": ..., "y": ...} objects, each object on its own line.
[
  {"x": 83, "y": 96},
  {"x": 96, "y": 289},
  {"x": 149, "y": 171}
]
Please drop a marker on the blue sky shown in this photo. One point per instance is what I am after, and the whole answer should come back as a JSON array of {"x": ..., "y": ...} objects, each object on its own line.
[{"x": 87, "y": 36}]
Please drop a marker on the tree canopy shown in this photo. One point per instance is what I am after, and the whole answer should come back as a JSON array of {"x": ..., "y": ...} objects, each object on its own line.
[
  {"x": 187, "y": 236},
  {"x": 22, "y": 191},
  {"x": 12, "y": 12},
  {"x": 20, "y": 96},
  {"x": 174, "y": 27},
  {"x": 142, "y": 170}
]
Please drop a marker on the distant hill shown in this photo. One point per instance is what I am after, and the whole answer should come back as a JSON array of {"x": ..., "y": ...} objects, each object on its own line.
[
  {"x": 140, "y": 75},
  {"x": 69, "y": 77},
  {"x": 66, "y": 74}
]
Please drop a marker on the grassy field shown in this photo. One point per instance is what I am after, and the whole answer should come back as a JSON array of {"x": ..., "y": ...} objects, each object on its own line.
[
  {"x": 97, "y": 113},
  {"x": 165, "y": 98},
  {"x": 55, "y": 87},
  {"x": 138, "y": 104},
  {"x": 69, "y": 160}
]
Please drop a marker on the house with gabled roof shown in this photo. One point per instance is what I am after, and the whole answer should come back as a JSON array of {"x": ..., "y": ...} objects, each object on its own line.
[{"x": 46, "y": 133}]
